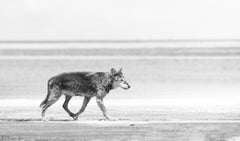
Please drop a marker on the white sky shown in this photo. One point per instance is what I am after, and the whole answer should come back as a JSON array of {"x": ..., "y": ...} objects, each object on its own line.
[{"x": 122, "y": 19}]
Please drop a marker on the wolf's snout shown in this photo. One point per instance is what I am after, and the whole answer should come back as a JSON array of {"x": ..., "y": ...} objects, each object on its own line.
[{"x": 128, "y": 86}]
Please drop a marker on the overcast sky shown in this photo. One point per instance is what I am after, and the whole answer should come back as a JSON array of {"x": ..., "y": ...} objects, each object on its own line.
[{"x": 122, "y": 19}]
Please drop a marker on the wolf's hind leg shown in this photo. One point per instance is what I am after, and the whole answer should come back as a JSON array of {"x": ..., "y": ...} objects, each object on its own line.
[
  {"x": 54, "y": 96},
  {"x": 65, "y": 105},
  {"x": 84, "y": 105}
]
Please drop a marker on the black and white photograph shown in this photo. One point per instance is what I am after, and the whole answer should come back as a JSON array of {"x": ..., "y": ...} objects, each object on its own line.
[{"x": 119, "y": 70}]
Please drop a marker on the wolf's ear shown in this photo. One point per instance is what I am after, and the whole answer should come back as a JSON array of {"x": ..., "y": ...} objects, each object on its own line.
[
  {"x": 113, "y": 71},
  {"x": 120, "y": 70}
]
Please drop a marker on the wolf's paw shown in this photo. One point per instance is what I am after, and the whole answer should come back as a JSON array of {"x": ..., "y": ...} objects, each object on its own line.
[
  {"x": 71, "y": 115},
  {"x": 75, "y": 117}
]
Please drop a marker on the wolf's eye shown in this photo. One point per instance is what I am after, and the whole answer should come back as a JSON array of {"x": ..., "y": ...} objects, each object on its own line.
[{"x": 121, "y": 79}]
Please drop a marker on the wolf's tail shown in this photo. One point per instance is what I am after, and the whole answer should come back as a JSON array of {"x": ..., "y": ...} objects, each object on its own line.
[
  {"x": 43, "y": 103},
  {"x": 46, "y": 99}
]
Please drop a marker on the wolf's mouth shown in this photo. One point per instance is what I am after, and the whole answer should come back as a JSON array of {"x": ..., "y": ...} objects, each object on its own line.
[{"x": 126, "y": 88}]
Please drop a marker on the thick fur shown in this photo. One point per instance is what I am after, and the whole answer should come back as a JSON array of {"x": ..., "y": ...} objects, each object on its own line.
[
  {"x": 86, "y": 84},
  {"x": 80, "y": 83}
]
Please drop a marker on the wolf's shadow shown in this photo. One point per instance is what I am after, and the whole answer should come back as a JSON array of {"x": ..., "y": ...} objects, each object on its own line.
[
  {"x": 51, "y": 119},
  {"x": 31, "y": 119}
]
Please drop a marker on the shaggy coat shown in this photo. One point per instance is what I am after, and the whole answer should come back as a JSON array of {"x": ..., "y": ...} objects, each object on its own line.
[{"x": 86, "y": 84}]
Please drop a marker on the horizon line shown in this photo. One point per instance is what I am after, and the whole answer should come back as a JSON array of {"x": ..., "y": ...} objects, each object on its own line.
[
  {"x": 117, "y": 41},
  {"x": 119, "y": 57}
]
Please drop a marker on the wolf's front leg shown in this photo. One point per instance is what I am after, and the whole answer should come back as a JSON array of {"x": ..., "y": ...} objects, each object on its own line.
[{"x": 102, "y": 107}]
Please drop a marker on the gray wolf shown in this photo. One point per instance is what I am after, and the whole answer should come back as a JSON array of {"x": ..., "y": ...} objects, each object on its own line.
[{"x": 86, "y": 84}]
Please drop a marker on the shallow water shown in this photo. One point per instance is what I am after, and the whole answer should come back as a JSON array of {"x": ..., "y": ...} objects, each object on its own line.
[{"x": 178, "y": 92}]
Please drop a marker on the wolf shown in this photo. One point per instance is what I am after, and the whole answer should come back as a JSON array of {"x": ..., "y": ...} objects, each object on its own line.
[{"x": 86, "y": 84}]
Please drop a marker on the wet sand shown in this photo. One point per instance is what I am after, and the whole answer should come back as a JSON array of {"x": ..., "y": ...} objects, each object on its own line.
[
  {"x": 79, "y": 131},
  {"x": 166, "y": 123}
]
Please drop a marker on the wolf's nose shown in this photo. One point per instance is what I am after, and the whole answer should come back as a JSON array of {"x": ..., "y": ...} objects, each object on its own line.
[{"x": 129, "y": 86}]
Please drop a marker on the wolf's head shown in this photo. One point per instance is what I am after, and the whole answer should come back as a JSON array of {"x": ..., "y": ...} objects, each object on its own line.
[{"x": 119, "y": 80}]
